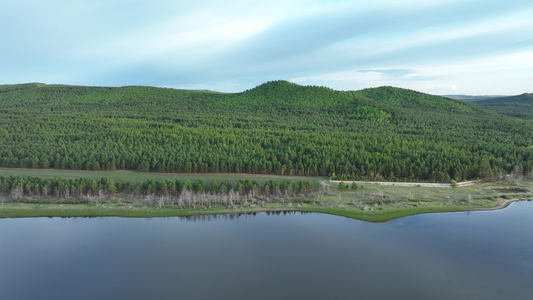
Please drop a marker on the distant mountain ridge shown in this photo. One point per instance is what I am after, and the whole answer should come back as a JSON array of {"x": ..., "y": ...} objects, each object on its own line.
[
  {"x": 520, "y": 106},
  {"x": 285, "y": 92},
  {"x": 469, "y": 98}
]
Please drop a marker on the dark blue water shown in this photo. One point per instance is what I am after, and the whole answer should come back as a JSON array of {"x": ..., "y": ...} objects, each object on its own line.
[{"x": 477, "y": 255}]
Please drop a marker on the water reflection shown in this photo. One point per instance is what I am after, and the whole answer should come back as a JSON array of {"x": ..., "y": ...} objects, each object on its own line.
[
  {"x": 235, "y": 216},
  {"x": 276, "y": 255},
  {"x": 208, "y": 217}
]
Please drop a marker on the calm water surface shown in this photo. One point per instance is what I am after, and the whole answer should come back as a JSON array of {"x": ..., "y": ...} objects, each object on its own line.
[{"x": 477, "y": 255}]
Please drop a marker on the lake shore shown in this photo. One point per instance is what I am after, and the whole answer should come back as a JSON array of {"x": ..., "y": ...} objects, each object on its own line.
[
  {"x": 365, "y": 201},
  {"x": 380, "y": 214}
]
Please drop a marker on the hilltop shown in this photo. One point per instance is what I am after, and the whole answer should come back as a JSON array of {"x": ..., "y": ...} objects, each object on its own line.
[
  {"x": 278, "y": 127},
  {"x": 286, "y": 93}
]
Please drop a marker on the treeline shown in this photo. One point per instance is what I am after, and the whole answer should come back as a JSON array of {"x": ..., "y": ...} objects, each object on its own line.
[
  {"x": 92, "y": 189},
  {"x": 277, "y": 128}
]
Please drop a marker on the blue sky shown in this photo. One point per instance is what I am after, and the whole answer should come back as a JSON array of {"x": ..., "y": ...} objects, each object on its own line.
[{"x": 475, "y": 47}]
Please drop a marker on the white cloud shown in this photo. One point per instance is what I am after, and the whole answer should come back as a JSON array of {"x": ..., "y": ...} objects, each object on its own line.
[
  {"x": 188, "y": 37},
  {"x": 506, "y": 23},
  {"x": 504, "y": 74},
  {"x": 235, "y": 44}
]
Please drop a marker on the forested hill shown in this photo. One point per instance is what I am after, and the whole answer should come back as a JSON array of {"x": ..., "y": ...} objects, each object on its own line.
[
  {"x": 520, "y": 106},
  {"x": 275, "y": 128},
  {"x": 410, "y": 99},
  {"x": 286, "y": 93}
]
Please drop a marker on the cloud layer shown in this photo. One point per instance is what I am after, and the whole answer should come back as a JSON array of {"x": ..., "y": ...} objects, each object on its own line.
[{"x": 441, "y": 47}]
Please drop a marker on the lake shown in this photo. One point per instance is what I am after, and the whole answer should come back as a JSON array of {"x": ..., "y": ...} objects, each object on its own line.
[{"x": 475, "y": 255}]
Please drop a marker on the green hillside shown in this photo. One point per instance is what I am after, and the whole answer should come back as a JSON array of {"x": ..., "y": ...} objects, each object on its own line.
[
  {"x": 406, "y": 98},
  {"x": 276, "y": 128},
  {"x": 520, "y": 106}
]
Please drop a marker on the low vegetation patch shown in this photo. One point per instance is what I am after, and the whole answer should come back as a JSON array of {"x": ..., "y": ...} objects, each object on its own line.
[{"x": 511, "y": 190}]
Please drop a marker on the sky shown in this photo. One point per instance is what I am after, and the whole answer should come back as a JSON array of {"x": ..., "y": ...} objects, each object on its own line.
[{"x": 442, "y": 47}]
